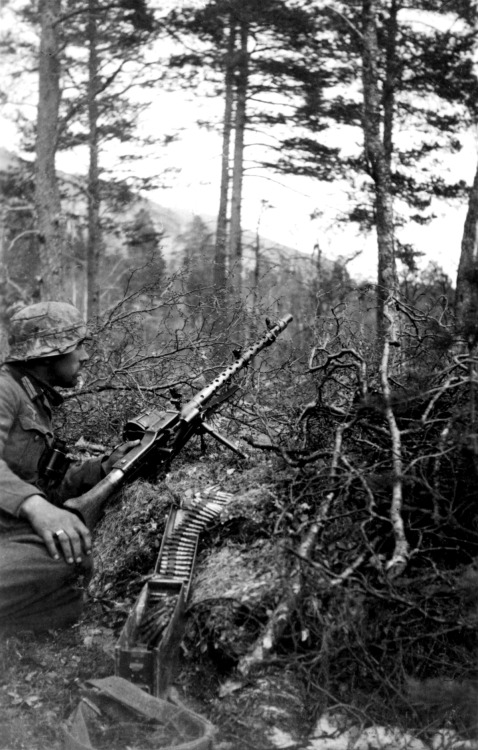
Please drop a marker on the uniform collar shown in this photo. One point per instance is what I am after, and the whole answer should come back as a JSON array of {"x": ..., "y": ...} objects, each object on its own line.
[{"x": 33, "y": 386}]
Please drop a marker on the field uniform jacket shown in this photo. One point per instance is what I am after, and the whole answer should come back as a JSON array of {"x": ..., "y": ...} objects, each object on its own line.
[{"x": 25, "y": 431}]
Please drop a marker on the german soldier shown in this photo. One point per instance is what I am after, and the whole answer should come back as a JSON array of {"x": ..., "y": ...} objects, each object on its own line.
[{"x": 45, "y": 550}]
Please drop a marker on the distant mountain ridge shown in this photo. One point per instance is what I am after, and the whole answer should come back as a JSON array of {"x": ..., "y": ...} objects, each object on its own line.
[
  {"x": 171, "y": 223},
  {"x": 176, "y": 222}
]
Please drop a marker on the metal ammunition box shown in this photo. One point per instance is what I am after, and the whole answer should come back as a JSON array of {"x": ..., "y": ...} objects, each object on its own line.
[{"x": 152, "y": 667}]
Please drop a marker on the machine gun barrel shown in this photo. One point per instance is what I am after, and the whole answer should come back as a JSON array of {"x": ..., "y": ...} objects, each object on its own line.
[{"x": 193, "y": 407}]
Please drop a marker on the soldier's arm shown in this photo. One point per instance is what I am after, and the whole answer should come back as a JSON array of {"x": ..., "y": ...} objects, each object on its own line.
[{"x": 13, "y": 489}]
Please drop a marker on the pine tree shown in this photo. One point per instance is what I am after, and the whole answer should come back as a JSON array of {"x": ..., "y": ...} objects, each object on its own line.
[
  {"x": 466, "y": 297},
  {"x": 83, "y": 101},
  {"x": 240, "y": 44},
  {"x": 415, "y": 79},
  {"x": 51, "y": 225},
  {"x": 114, "y": 34},
  {"x": 377, "y": 127}
]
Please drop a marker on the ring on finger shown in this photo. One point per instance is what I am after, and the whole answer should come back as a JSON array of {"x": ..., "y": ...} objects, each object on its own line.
[{"x": 57, "y": 533}]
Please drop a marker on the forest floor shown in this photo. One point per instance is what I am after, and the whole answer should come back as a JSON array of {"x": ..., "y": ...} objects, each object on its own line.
[
  {"x": 43, "y": 679},
  {"x": 43, "y": 676}
]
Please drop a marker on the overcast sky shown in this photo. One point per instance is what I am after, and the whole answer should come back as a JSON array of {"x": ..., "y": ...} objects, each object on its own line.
[{"x": 283, "y": 206}]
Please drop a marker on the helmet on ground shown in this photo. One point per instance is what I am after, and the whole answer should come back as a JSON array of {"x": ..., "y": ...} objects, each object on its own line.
[{"x": 46, "y": 329}]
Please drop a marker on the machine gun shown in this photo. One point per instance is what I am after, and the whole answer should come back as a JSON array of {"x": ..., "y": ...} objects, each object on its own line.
[{"x": 163, "y": 434}]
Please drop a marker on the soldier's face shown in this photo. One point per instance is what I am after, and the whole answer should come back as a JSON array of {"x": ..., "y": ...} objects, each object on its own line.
[{"x": 64, "y": 370}]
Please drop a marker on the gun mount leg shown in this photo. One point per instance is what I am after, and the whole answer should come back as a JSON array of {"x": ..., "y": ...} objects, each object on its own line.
[{"x": 221, "y": 439}]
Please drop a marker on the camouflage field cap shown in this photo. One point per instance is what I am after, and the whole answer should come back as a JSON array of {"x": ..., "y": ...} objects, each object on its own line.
[{"x": 45, "y": 329}]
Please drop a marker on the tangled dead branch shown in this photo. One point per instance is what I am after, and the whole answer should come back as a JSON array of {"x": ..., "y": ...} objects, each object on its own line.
[{"x": 395, "y": 482}]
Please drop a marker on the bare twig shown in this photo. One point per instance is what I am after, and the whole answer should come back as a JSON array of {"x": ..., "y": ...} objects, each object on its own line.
[
  {"x": 282, "y": 613},
  {"x": 398, "y": 562}
]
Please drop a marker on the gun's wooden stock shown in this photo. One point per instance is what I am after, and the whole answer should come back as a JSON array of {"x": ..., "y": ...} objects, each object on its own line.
[{"x": 90, "y": 505}]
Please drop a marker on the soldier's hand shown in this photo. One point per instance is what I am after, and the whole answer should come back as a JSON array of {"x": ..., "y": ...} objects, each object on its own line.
[
  {"x": 63, "y": 532},
  {"x": 118, "y": 454}
]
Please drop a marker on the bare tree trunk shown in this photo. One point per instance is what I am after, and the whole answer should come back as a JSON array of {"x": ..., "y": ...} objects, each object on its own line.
[
  {"x": 3, "y": 280},
  {"x": 220, "y": 256},
  {"x": 257, "y": 263},
  {"x": 238, "y": 173},
  {"x": 257, "y": 260},
  {"x": 51, "y": 226},
  {"x": 378, "y": 148},
  {"x": 94, "y": 231},
  {"x": 466, "y": 298},
  {"x": 317, "y": 282}
]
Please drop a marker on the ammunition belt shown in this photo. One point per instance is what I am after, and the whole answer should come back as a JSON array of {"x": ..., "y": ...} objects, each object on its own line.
[
  {"x": 178, "y": 550},
  {"x": 175, "y": 563}
]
